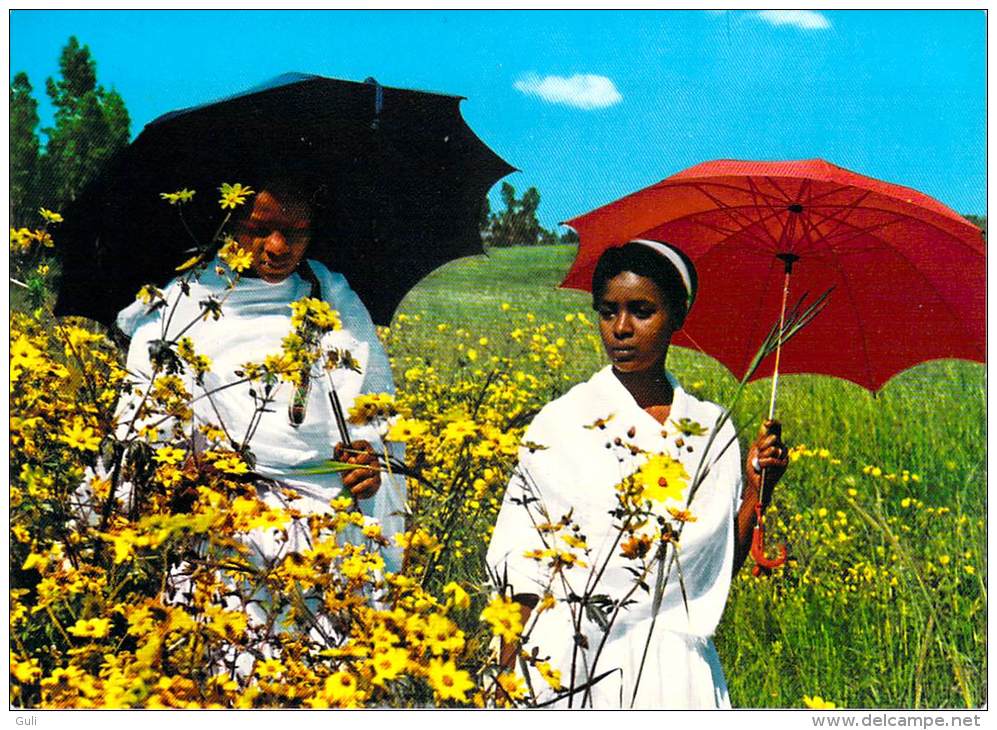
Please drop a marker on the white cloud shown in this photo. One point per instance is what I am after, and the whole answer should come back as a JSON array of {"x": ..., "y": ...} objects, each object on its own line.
[
  {"x": 584, "y": 91},
  {"x": 803, "y": 19}
]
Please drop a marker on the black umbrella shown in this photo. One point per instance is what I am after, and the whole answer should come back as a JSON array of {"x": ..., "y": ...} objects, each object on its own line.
[{"x": 405, "y": 179}]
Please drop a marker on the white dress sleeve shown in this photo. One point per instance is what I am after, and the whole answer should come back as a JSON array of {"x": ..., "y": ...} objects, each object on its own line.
[{"x": 524, "y": 506}]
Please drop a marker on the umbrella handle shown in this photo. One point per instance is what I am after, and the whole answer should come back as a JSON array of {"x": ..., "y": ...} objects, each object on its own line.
[
  {"x": 763, "y": 565},
  {"x": 788, "y": 260}
]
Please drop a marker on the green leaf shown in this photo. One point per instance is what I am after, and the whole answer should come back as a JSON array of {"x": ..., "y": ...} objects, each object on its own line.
[{"x": 329, "y": 467}]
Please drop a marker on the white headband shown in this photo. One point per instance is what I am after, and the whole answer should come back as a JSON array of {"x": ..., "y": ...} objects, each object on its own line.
[{"x": 677, "y": 261}]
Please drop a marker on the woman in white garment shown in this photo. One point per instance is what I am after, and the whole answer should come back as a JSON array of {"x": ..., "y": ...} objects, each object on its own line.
[
  {"x": 256, "y": 316},
  {"x": 579, "y": 448}
]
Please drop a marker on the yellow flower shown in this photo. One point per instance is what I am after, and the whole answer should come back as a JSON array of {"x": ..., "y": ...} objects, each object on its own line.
[
  {"x": 681, "y": 515},
  {"x": 180, "y": 196},
  {"x": 513, "y": 687},
  {"x": 662, "y": 478},
  {"x": 341, "y": 690},
  {"x": 50, "y": 216},
  {"x": 235, "y": 257},
  {"x": 550, "y": 675},
  {"x": 231, "y": 465},
  {"x": 24, "y": 672},
  {"x": 372, "y": 406},
  {"x": 448, "y": 682},
  {"x": 233, "y": 195},
  {"x": 636, "y": 546},
  {"x": 548, "y": 602},
  {"x": 148, "y": 293},
  {"x": 21, "y": 240},
  {"x": 459, "y": 430},
  {"x": 169, "y": 455},
  {"x": 388, "y": 663},
  {"x": 270, "y": 669},
  {"x": 505, "y": 617},
  {"x": 442, "y": 635},
  {"x": 404, "y": 430},
  {"x": 24, "y": 357},
  {"x": 124, "y": 543},
  {"x": 459, "y": 597},
  {"x": 94, "y": 627},
  {"x": 78, "y": 436},
  {"x": 817, "y": 703}
]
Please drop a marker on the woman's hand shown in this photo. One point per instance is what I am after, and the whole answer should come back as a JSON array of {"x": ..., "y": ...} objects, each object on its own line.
[
  {"x": 362, "y": 483},
  {"x": 769, "y": 455}
]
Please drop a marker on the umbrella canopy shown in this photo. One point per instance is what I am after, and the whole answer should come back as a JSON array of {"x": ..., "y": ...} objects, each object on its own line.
[
  {"x": 909, "y": 274},
  {"x": 405, "y": 178}
]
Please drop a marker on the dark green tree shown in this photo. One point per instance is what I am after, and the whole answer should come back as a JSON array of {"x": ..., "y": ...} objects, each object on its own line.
[
  {"x": 91, "y": 124},
  {"x": 569, "y": 236},
  {"x": 517, "y": 225},
  {"x": 980, "y": 221},
  {"x": 24, "y": 152}
]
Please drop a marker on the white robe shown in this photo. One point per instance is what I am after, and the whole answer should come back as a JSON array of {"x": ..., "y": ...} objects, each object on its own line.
[
  {"x": 256, "y": 316},
  {"x": 577, "y": 471}
]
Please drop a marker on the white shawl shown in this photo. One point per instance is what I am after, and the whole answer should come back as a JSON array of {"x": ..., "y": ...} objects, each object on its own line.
[
  {"x": 577, "y": 471},
  {"x": 256, "y": 316}
]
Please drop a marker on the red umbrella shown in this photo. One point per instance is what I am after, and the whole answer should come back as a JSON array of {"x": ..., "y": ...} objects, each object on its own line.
[{"x": 909, "y": 274}]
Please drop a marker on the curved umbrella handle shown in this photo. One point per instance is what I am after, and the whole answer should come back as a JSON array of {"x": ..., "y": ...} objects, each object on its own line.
[{"x": 763, "y": 565}]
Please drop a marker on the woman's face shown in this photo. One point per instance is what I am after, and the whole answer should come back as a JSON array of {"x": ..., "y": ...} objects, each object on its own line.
[
  {"x": 635, "y": 323},
  {"x": 277, "y": 233}
]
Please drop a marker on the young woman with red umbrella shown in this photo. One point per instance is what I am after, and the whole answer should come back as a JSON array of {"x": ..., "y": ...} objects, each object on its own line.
[{"x": 627, "y": 417}]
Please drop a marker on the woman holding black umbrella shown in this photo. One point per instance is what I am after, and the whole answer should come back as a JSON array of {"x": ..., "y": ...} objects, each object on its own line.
[
  {"x": 301, "y": 427},
  {"x": 631, "y": 428}
]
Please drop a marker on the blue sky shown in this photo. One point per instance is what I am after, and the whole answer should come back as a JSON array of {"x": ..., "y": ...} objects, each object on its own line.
[{"x": 591, "y": 105}]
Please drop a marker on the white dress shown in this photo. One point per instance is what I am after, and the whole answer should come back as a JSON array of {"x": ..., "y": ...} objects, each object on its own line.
[
  {"x": 256, "y": 316},
  {"x": 577, "y": 471}
]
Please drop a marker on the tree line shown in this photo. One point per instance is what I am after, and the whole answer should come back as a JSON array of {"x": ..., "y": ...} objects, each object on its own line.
[
  {"x": 91, "y": 124},
  {"x": 517, "y": 224}
]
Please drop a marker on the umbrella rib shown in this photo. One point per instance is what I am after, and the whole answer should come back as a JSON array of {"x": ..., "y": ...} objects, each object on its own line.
[
  {"x": 848, "y": 210},
  {"x": 854, "y": 206},
  {"x": 901, "y": 217},
  {"x": 785, "y": 197},
  {"x": 728, "y": 234},
  {"x": 728, "y": 209},
  {"x": 930, "y": 287},
  {"x": 867, "y": 362},
  {"x": 698, "y": 185},
  {"x": 755, "y": 194},
  {"x": 835, "y": 253}
]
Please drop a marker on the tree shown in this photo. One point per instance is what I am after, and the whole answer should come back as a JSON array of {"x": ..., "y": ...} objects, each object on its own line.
[
  {"x": 517, "y": 225},
  {"x": 24, "y": 152},
  {"x": 569, "y": 236},
  {"x": 91, "y": 124},
  {"x": 980, "y": 221}
]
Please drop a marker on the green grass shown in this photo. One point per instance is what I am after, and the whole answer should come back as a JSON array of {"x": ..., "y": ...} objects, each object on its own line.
[
  {"x": 920, "y": 643},
  {"x": 927, "y": 417}
]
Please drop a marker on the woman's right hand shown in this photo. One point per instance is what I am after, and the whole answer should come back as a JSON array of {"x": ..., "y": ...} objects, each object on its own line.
[
  {"x": 768, "y": 455},
  {"x": 362, "y": 483}
]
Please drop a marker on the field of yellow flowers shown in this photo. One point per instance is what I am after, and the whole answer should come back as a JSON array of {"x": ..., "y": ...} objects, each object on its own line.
[{"x": 149, "y": 599}]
